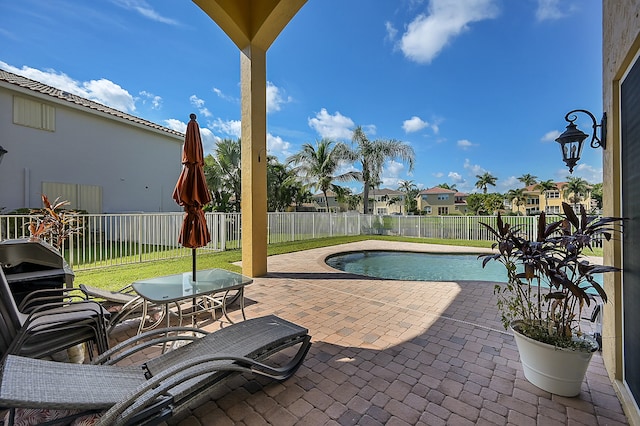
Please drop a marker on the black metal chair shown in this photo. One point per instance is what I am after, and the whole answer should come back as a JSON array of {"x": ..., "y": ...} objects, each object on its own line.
[{"x": 50, "y": 322}]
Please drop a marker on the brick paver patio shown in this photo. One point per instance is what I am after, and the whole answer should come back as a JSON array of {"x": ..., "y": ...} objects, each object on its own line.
[{"x": 395, "y": 353}]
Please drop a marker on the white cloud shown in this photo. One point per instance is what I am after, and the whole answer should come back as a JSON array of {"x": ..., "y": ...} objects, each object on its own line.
[
  {"x": 587, "y": 172},
  {"x": 549, "y": 9},
  {"x": 438, "y": 174},
  {"x": 277, "y": 146},
  {"x": 335, "y": 126},
  {"x": 144, "y": 9},
  {"x": 455, "y": 177},
  {"x": 414, "y": 124},
  {"x": 199, "y": 103},
  {"x": 427, "y": 35},
  {"x": 275, "y": 98},
  {"x": 464, "y": 144},
  {"x": 550, "y": 136},
  {"x": 391, "y": 31},
  {"x": 473, "y": 169},
  {"x": 224, "y": 96},
  {"x": 177, "y": 125},
  {"x": 511, "y": 182},
  {"x": 103, "y": 91},
  {"x": 156, "y": 101},
  {"x": 229, "y": 128}
]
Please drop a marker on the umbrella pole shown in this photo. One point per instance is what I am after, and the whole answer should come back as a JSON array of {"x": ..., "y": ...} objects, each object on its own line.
[{"x": 193, "y": 264}]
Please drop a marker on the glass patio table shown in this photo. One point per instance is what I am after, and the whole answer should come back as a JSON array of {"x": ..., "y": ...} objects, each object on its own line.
[{"x": 178, "y": 288}]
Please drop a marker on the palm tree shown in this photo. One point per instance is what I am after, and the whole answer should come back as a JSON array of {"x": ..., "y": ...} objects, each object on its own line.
[
  {"x": 484, "y": 180},
  {"x": 318, "y": 165},
  {"x": 545, "y": 186},
  {"x": 575, "y": 189},
  {"x": 222, "y": 172},
  {"x": 517, "y": 197},
  {"x": 410, "y": 191},
  {"x": 447, "y": 186},
  {"x": 373, "y": 154},
  {"x": 528, "y": 179}
]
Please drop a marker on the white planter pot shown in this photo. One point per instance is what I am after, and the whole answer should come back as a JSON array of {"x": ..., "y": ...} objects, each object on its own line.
[{"x": 556, "y": 370}]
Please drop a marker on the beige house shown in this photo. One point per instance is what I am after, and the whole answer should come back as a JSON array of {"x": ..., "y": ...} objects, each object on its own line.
[
  {"x": 384, "y": 201},
  {"x": 550, "y": 202},
  {"x": 318, "y": 202},
  {"x": 438, "y": 201}
]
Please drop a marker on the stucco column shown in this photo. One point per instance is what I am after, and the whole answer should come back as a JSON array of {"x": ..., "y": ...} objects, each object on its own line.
[{"x": 253, "y": 82}]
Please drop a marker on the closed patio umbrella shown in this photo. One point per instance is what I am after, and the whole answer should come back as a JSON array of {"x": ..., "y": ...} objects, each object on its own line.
[{"x": 192, "y": 193}]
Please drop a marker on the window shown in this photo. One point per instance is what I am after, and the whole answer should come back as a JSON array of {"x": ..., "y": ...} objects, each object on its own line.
[
  {"x": 533, "y": 201},
  {"x": 553, "y": 194},
  {"x": 30, "y": 113},
  {"x": 443, "y": 196},
  {"x": 427, "y": 210},
  {"x": 443, "y": 211},
  {"x": 553, "y": 210}
]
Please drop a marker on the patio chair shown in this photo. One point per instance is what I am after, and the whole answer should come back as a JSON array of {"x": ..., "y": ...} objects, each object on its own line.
[
  {"x": 49, "y": 323},
  {"x": 123, "y": 304},
  {"x": 161, "y": 387}
]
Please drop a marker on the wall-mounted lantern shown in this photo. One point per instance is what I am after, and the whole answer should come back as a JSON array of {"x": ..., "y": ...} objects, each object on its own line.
[{"x": 572, "y": 139}]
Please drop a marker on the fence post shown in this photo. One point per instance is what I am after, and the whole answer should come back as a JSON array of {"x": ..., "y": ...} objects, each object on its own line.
[{"x": 140, "y": 238}]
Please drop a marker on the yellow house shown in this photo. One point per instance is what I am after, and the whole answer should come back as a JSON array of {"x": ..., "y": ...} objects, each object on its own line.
[
  {"x": 536, "y": 201},
  {"x": 385, "y": 201},
  {"x": 438, "y": 201}
]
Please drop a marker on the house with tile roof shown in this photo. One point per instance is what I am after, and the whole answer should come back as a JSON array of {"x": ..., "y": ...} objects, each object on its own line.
[
  {"x": 384, "y": 201},
  {"x": 439, "y": 201},
  {"x": 100, "y": 159},
  {"x": 536, "y": 201}
]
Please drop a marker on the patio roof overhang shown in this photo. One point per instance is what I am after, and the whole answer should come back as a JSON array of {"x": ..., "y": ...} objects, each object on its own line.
[{"x": 253, "y": 25}]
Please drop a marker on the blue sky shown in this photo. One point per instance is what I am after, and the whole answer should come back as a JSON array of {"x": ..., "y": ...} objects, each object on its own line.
[{"x": 473, "y": 86}]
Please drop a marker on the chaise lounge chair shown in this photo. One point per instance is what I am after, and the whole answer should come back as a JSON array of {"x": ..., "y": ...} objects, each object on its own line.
[{"x": 162, "y": 386}]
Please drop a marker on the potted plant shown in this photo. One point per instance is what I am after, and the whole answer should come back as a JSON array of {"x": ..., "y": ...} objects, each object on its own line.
[{"x": 550, "y": 281}]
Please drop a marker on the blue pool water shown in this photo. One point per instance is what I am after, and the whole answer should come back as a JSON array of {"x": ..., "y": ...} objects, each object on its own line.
[{"x": 414, "y": 266}]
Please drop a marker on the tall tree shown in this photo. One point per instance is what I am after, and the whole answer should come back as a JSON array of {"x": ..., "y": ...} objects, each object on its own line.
[
  {"x": 575, "y": 189},
  {"x": 528, "y": 179},
  {"x": 372, "y": 155},
  {"x": 447, "y": 186},
  {"x": 485, "y": 180},
  {"x": 319, "y": 164},
  {"x": 410, "y": 191},
  {"x": 545, "y": 186},
  {"x": 284, "y": 188},
  {"x": 517, "y": 197},
  {"x": 222, "y": 171}
]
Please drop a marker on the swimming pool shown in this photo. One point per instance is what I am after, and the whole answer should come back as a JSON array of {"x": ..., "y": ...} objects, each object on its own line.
[{"x": 415, "y": 266}]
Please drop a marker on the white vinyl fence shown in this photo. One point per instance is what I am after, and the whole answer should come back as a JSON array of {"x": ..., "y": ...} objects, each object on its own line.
[{"x": 114, "y": 239}]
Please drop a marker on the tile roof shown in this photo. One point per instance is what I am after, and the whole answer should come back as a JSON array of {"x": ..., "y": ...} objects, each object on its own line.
[
  {"x": 438, "y": 190},
  {"x": 61, "y": 95}
]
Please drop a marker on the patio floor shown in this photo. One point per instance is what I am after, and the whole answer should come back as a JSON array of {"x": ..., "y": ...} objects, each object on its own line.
[{"x": 395, "y": 353}]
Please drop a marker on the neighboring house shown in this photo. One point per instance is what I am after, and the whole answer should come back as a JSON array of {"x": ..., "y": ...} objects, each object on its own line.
[
  {"x": 98, "y": 158},
  {"x": 319, "y": 204},
  {"x": 550, "y": 202},
  {"x": 438, "y": 201},
  {"x": 380, "y": 202}
]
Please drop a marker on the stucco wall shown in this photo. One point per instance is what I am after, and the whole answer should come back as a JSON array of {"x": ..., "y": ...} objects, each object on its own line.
[
  {"x": 136, "y": 168},
  {"x": 621, "y": 44}
]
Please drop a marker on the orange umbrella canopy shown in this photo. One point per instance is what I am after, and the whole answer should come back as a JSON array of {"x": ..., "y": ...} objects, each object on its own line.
[{"x": 191, "y": 190}]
